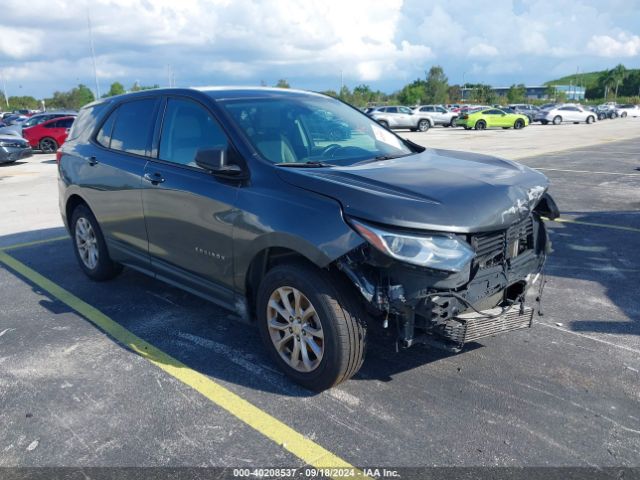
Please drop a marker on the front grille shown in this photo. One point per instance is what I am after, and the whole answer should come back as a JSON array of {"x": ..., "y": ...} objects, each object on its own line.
[
  {"x": 472, "y": 326},
  {"x": 495, "y": 247}
]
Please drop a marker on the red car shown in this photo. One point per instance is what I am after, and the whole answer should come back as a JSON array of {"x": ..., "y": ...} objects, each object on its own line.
[{"x": 49, "y": 135}]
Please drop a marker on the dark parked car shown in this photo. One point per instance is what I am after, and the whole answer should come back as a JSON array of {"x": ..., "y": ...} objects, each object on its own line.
[
  {"x": 13, "y": 148},
  {"x": 36, "y": 119},
  {"x": 226, "y": 194}
]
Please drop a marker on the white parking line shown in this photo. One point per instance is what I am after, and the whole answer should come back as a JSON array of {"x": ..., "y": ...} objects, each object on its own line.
[
  {"x": 634, "y": 350},
  {"x": 587, "y": 171}
]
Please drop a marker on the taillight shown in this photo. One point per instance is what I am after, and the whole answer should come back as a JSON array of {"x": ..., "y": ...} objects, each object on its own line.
[{"x": 58, "y": 156}]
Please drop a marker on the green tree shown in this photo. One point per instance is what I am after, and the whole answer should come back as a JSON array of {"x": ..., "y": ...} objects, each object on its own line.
[
  {"x": 282, "y": 83},
  {"x": 482, "y": 93},
  {"x": 136, "y": 87},
  {"x": 517, "y": 93},
  {"x": 437, "y": 86},
  {"x": 345, "y": 94},
  {"x": 116, "y": 89},
  {"x": 413, "y": 94},
  {"x": 551, "y": 92},
  {"x": 74, "y": 99},
  {"x": 454, "y": 93},
  {"x": 22, "y": 102},
  {"x": 617, "y": 75}
]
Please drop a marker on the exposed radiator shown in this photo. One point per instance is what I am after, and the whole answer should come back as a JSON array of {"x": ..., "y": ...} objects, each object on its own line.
[{"x": 472, "y": 326}]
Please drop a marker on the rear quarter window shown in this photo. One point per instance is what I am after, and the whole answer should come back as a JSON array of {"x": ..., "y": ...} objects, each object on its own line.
[
  {"x": 129, "y": 128},
  {"x": 85, "y": 121}
]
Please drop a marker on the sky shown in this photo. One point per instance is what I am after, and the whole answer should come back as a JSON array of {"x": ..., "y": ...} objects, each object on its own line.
[{"x": 314, "y": 44}]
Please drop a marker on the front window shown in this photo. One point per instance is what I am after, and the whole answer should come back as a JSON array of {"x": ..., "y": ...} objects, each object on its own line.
[{"x": 312, "y": 129}]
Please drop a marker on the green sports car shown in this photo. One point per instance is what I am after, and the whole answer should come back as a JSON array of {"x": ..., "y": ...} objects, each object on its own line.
[{"x": 491, "y": 118}]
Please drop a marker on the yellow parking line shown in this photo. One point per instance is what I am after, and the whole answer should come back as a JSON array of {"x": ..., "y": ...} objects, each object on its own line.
[
  {"x": 35, "y": 242},
  {"x": 591, "y": 224},
  {"x": 283, "y": 435}
]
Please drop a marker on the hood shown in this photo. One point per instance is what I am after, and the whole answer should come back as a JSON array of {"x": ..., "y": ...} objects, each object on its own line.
[
  {"x": 439, "y": 190},
  {"x": 7, "y": 137}
]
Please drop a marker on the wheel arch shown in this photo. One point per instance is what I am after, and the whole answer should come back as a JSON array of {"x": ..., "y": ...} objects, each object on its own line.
[{"x": 71, "y": 204}]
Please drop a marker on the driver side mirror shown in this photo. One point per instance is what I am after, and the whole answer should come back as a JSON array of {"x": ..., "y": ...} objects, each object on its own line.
[{"x": 215, "y": 161}]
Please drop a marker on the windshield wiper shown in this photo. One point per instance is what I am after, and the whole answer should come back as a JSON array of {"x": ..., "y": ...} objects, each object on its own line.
[
  {"x": 309, "y": 164},
  {"x": 383, "y": 157}
]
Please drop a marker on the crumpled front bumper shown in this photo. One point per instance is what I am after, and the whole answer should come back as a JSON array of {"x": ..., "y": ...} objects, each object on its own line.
[{"x": 499, "y": 292}]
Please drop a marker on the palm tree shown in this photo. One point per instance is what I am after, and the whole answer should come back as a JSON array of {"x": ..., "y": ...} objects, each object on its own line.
[{"x": 618, "y": 74}]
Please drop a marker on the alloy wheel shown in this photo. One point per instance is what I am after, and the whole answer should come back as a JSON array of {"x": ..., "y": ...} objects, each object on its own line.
[
  {"x": 86, "y": 243},
  {"x": 295, "y": 329}
]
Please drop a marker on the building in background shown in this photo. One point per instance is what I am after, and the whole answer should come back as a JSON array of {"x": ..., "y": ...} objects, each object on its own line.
[{"x": 540, "y": 92}]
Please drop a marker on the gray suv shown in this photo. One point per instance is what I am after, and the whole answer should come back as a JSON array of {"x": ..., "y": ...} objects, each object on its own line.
[
  {"x": 227, "y": 194},
  {"x": 402, "y": 117}
]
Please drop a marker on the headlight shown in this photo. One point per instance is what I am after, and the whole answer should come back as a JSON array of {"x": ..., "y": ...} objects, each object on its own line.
[{"x": 439, "y": 251}]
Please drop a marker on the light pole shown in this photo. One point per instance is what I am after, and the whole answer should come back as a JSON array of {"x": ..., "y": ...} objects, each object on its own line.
[
  {"x": 93, "y": 55},
  {"x": 4, "y": 90}
]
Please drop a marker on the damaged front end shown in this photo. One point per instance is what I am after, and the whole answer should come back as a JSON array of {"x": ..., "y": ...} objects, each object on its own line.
[{"x": 460, "y": 297}]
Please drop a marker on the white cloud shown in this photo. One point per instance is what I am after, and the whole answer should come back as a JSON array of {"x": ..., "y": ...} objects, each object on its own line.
[
  {"x": 624, "y": 45},
  {"x": 483, "y": 50},
  {"x": 19, "y": 43}
]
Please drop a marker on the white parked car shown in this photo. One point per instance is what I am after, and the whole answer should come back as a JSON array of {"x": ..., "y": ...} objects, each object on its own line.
[
  {"x": 397, "y": 116},
  {"x": 565, "y": 113},
  {"x": 439, "y": 114},
  {"x": 628, "y": 110}
]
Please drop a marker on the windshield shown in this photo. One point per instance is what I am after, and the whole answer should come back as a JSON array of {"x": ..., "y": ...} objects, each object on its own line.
[{"x": 309, "y": 129}]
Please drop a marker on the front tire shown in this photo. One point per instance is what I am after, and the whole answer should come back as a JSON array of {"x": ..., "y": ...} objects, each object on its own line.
[
  {"x": 591, "y": 119},
  {"x": 623, "y": 115},
  {"x": 557, "y": 120},
  {"x": 90, "y": 247},
  {"x": 310, "y": 326},
  {"x": 518, "y": 124}
]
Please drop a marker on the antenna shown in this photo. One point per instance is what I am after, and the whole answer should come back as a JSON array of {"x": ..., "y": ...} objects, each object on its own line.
[{"x": 93, "y": 55}]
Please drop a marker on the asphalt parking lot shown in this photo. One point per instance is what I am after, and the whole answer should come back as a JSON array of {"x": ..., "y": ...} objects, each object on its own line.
[{"x": 136, "y": 373}]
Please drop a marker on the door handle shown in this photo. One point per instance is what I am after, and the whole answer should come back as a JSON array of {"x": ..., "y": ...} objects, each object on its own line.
[
  {"x": 92, "y": 161},
  {"x": 154, "y": 178}
]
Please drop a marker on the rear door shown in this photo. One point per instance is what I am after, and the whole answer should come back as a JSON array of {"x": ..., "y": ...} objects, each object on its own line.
[
  {"x": 406, "y": 117},
  {"x": 189, "y": 212},
  {"x": 112, "y": 174}
]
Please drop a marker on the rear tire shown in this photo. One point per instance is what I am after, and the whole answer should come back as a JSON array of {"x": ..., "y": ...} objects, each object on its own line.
[
  {"x": 90, "y": 247},
  {"x": 481, "y": 125},
  {"x": 423, "y": 125},
  {"x": 557, "y": 120},
  {"x": 319, "y": 349},
  {"x": 383, "y": 123},
  {"x": 544, "y": 122},
  {"x": 48, "y": 145},
  {"x": 453, "y": 122}
]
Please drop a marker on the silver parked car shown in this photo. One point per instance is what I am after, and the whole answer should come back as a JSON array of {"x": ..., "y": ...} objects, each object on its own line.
[
  {"x": 628, "y": 110},
  {"x": 565, "y": 113},
  {"x": 402, "y": 117},
  {"x": 439, "y": 114}
]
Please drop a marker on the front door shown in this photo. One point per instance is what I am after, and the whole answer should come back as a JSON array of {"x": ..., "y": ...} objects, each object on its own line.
[{"x": 188, "y": 211}]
